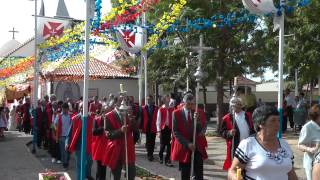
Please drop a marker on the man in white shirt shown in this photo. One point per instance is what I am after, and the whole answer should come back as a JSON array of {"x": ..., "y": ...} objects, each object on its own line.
[
  {"x": 291, "y": 104},
  {"x": 234, "y": 133},
  {"x": 164, "y": 128}
]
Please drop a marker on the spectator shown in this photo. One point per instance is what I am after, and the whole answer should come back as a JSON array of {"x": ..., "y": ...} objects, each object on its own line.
[
  {"x": 3, "y": 122},
  {"x": 12, "y": 119},
  {"x": 290, "y": 106},
  {"x": 264, "y": 156},
  {"x": 63, "y": 123},
  {"x": 309, "y": 135}
]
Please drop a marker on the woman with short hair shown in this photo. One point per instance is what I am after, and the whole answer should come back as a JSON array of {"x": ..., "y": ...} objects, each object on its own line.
[
  {"x": 309, "y": 138},
  {"x": 263, "y": 155}
]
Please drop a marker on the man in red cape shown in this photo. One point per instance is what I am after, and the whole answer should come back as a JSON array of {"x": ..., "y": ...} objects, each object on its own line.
[
  {"x": 95, "y": 105},
  {"x": 115, "y": 157},
  {"x": 241, "y": 129},
  {"x": 182, "y": 146},
  {"x": 164, "y": 129},
  {"x": 149, "y": 119},
  {"x": 74, "y": 142},
  {"x": 99, "y": 141}
]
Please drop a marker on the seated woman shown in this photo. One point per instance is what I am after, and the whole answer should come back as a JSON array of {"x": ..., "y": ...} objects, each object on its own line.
[
  {"x": 309, "y": 138},
  {"x": 263, "y": 155}
]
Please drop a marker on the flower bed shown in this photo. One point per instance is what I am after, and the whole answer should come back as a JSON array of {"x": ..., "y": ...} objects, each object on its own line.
[{"x": 49, "y": 175}]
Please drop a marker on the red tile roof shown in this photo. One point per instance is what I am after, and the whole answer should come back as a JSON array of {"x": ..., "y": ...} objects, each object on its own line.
[
  {"x": 97, "y": 70},
  {"x": 245, "y": 81}
]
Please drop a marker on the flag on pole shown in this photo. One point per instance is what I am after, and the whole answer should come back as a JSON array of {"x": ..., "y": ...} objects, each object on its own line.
[
  {"x": 262, "y": 7},
  {"x": 131, "y": 39},
  {"x": 51, "y": 27}
]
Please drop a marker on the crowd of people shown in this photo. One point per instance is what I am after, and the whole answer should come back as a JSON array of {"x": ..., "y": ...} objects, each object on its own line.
[{"x": 117, "y": 122}]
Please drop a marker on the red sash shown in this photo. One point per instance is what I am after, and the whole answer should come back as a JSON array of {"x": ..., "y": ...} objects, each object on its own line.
[
  {"x": 145, "y": 114},
  {"x": 115, "y": 149},
  {"x": 163, "y": 112},
  {"x": 76, "y": 133},
  {"x": 178, "y": 151},
  {"x": 98, "y": 143}
]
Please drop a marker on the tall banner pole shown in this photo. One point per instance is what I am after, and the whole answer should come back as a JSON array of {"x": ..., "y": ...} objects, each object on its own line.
[
  {"x": 85, "y": 93},
  {"x": 319, "y": 89},
  {"x": 35, "y": 79},
  {"x": 296, "y": 91},
  {"x": 144, "y": 57},
  {"x": 280, "y": 65}
]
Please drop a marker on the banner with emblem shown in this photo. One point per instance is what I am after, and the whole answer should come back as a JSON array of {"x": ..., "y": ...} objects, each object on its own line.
[
  {"x": 51, "y": 27},
  {"x": 259, "y": 6},
  {"x": 131, "y": 39}
]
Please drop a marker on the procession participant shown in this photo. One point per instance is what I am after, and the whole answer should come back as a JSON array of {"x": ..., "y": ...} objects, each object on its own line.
[
  {"x": 54, "y": 140},
  {"x": 42, "y": 124},
  {"x": 63, "y": 123},
  {"x": 234, "y": 133},
  {"x": 136, "y": 111},
  {"x": 164, "y": 129},
  {"x": 115, "y": 157},
  {"x": 95, "y": 105},
  {"x": 182, "y": 143},
  {"x": 73, "y": 142},
  {"x": 49, "y": 111},
  {"x": 99, "y": 140},
  {"x": 19, "y": 117},
  {"x": 26, "y": 124},
  {"x": 149, "y": 115}
]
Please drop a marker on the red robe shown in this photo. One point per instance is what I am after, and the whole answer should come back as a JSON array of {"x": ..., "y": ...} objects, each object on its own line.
[
  {"x": 163, "y": 112},
  {"x": 178, "y": 151},
  {"x": 145, "y": 113},
  {"x": 76, "y": 133},
  {"x": 98, "y": 142},
  {"x": 94, "y": 106},
  {"x": 115, "y": 148},
  {"x": 227, "y": 124}
]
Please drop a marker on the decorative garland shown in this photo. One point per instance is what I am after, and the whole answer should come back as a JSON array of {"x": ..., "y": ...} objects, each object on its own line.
[
  {"x": 22, "y": 66},
  {"x": 166, "y": 20}
]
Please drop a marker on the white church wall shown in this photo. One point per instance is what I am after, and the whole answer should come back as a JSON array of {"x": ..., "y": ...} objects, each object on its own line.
[{"x": 97, "y": 87}]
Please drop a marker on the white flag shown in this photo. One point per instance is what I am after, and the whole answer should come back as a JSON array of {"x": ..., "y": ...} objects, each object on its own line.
[
  {"x": 260, "y": 7},
  {"x": 51, "y": 27}
]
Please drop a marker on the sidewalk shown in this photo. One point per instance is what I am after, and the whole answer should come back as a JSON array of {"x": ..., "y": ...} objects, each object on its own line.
[{"x": 17, "y": 163}]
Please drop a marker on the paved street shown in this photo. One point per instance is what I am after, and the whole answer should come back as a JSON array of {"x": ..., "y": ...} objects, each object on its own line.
[{"x": 21, "y": 164}]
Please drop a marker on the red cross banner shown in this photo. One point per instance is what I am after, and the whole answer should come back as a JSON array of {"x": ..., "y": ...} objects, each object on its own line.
[
  {"x": 131, "y": 39},
  {"x": 50, "y": 27}
]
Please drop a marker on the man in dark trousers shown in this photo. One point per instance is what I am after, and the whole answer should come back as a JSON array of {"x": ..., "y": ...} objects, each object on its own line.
[
  {"x": 149, "y": 115},
  {"x": 164, "y": 128},
  {"x": 182, "y": 143},
  {"x": 118, "y": 123},
  {"x": 42, "y": 124}
]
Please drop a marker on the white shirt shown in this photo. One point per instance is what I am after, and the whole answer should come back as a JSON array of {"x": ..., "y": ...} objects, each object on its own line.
[
  {"x": 242, "y": 125},
  {"x": 290, "y": 100},
  {"x": 258, "y": 165},
  {"x": 159, "y": 118},
  {"x": 309, "y": 134}
]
